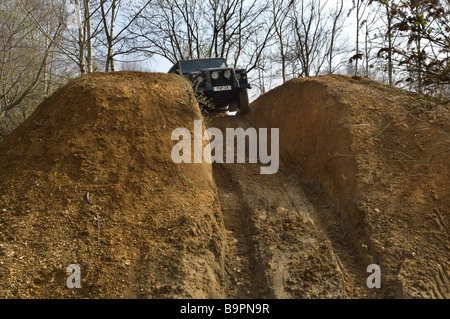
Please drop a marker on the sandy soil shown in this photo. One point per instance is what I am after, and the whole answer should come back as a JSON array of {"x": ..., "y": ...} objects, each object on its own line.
[
  {"x": 382, "y": 156},
  {"x": 89, "y": 180}
]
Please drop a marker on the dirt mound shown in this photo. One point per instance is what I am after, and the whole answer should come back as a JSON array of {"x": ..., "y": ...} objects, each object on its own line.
[
  {"x": 89, "y": 180},
  {"x": 381, "y": 156}
]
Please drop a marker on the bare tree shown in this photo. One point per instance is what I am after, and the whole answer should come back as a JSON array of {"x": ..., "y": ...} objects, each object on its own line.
[
  {"x": 177, "y": 30},
  {"x": 24, "y": 52},
  {"x": 72, "y": 46},
  {"x": 88, "y": 32},
  {"x": 372, "y": 18},
  {"x": 81, "y": 38},
  {"x": 109, "y": 31},
  {"x": 280, "y": 13},
  {"x": 359, "y": 6},
  {"x": 337, "y": 26},
  {"x": 110, "y": 10},
  {"x": 309, "y": 25},
  {"x": 389, "y": 35}
]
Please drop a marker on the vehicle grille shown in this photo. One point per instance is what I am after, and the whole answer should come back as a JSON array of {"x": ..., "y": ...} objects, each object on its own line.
[{"x": 222, "y": 80}]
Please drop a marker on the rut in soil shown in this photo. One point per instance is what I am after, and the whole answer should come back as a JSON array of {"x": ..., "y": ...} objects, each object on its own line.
[
  {"x": 248, "y": 281},
  {"x": 276, "y": 224}
]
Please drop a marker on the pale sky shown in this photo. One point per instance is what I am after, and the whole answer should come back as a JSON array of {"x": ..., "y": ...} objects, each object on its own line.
[{"x": 160, "y": 64}]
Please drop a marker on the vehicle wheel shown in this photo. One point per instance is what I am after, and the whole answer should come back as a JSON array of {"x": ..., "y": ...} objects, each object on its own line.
[
  {"x": 243, "y": 101},
  {"x": 234, "y": 107},
  {"x": 220, "y": 109}
]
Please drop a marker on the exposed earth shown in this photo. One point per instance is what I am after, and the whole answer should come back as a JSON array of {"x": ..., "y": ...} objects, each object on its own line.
[{"x": 88, "y": 179}]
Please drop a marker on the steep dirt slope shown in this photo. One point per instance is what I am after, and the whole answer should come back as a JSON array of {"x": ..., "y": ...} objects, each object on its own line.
[
  {"x": 89, "y": 180},
  {"x": 382, "y": 156},
  {"x": 286, "y": 243}
]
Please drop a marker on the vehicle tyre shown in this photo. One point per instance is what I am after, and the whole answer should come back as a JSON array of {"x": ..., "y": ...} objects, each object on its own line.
[
  {"x": 234, "y": 107},
  {"x": 243, "y": 101},
  {"x": 220, "y": 109}
]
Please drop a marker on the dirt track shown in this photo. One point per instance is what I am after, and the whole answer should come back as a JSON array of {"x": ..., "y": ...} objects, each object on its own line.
[
  {"x": 355, "y": 187},
  {"x": 285, "y": 243}
]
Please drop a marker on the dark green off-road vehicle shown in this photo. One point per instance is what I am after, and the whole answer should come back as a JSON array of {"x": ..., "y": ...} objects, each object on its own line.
[{"x": 224, "y": 88}]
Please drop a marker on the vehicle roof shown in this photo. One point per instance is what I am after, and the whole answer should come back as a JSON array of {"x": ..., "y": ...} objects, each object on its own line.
[{"x": 200, "y": 59}]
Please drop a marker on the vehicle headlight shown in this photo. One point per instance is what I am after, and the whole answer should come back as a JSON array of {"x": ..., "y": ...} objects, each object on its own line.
[
  {"x": 227, "y": 74},
  {"x": 215, "y": 75},
  {"x": 238, "y": 76}
]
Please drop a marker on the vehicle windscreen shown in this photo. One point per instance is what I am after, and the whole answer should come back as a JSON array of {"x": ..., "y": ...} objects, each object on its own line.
[{"x": 193, "y": 66}]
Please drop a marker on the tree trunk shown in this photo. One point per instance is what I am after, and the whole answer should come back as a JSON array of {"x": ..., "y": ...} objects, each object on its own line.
[
  {"x": 109, "y": 34},
  {"x": 87, "y": 17},
  {"x": 390, "y": 44},
  {"x": 81, "y": 39},
  {"x": 278, "y": 25},
  {"x": 366, "y": 49},
  {"x": 333, "y": 35},
  {"x": 357, "y": 35},
  {"x": 46, "y": 89}
]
